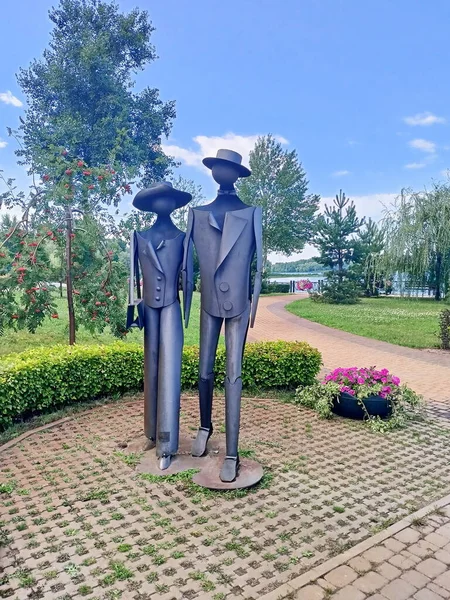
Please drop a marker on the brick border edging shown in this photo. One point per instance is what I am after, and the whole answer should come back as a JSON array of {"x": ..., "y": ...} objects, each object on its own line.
[{"x": 329, "y": 565}]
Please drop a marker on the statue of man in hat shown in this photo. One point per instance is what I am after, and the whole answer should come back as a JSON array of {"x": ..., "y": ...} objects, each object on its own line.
[
  {"x": 159, "y": 252},
  {"x": 226, "y": 234}
]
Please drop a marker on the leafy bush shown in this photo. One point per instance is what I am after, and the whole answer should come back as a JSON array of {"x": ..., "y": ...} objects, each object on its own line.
[
  {"x": 337, "y": 292},
  {"x": 362, "y": 383},
  {"x": 47, "y": 378},
  {"x": 444, "y": 329},
  {"x": 274, "y": 287}
]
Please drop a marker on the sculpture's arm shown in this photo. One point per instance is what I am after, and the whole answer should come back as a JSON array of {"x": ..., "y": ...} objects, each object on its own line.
[
  {"x": 187, "y": 272},
  {"x": 134, "y": 280},
  {"x": 257, "y": 224}
]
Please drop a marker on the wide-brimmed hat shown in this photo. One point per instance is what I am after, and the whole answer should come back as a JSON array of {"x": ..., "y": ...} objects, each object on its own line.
[
  {"x": 145, "y": 198},
  {"x": 227, "y": 157}
]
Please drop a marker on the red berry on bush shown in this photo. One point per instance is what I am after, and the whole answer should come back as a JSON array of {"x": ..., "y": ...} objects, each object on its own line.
[
  {"x": 46, "y": 177},
  {"x": 86, "y": 172},
  {"x": 55, "y": 316},
  {"x": 98, "y": 304},
  {"x": 68, "y": 171},
  {"x": 91, "y": 187},
  {"x": 14, "y": 316},
  {"x": 80, "y": 163}
]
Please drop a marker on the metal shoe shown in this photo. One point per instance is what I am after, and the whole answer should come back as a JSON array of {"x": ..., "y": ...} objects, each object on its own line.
[
  {"x": 230, "y": 469},
  {"x": 200, "y": 445}
]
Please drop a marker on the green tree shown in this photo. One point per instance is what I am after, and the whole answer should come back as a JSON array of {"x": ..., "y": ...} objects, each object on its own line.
[
  {"x": 369, "y": 244},
  {"x": 418, "y": 237},
  {"x": 86, "y": 135},
  {"x": 335, "y": 235},
  {"x": 278, "y": 184}
]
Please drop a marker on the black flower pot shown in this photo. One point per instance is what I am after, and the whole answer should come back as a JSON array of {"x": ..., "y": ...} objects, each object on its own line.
[{"x": 348, "y": 406}]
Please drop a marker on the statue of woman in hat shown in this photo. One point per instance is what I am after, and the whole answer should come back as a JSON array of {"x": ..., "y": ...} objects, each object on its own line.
[{"x": 158, "y": 252}]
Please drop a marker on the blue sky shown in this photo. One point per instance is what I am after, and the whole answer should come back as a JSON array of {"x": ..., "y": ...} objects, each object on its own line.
[{"x": 359, "y": 88}]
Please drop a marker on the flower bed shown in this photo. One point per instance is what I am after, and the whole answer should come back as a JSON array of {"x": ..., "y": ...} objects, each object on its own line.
[{"x": 365, "y": 393}]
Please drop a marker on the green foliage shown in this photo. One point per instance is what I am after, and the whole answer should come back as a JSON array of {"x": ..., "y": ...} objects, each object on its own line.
[
  {"x": 335, "y": 291},
  {"x": 274, "y": 287},
  {"x": 94, "y": 52},
  {"x": 418, "y": 238},
  {"x": 444, "y": 329},
  {"x": 44, "y": 379},
  {"x": 301, "y": 266},
  {"x": 334, "y": 234},
  {"x": 278, "y": 185},
  {"x": 82, "y": 151}
]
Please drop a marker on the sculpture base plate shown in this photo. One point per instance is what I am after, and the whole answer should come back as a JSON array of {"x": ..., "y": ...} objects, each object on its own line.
[
  {"x": 250, "y": 473},
  {"x": 208, "y": 466},
  {"x": 149, "y": 463}
]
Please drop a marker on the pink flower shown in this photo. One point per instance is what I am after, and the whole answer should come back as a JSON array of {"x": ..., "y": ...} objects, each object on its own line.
[
  {"x": 361, "y": 381},
  {"x": 395, "y": 380}
]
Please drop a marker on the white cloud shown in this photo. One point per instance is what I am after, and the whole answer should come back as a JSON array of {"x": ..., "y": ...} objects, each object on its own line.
[
  {"x": 340, "y": 173},
  {"x": 3, "y": 144},
  {"x": 208, "y": 146},
  {"x": 415, "y": 165},
  {"x": 9, "y": 98},
  {"x": 423, "y": 119},
  {"x": 423, "y": 145}
]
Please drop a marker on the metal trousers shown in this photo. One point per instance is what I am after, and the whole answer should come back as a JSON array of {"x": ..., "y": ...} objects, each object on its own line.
[
  {"x": 163, "y": 347},
  {"x": 235, "y": 337}
]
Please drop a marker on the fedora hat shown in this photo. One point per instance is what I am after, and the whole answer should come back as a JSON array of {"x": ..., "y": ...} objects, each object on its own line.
[
  {"x": 227, "y": 157},
  {"x": 145, "y": 198}
]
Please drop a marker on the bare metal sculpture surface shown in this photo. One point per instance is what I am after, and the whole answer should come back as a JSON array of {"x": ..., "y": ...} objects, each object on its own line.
[{"x": 226, "y": 234}]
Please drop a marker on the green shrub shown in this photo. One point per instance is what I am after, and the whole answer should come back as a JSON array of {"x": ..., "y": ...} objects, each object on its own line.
[
  {"x": 337, "y": 292},
  {"x": 45, "y": 379},
  {"x": 275, "y": 287}
]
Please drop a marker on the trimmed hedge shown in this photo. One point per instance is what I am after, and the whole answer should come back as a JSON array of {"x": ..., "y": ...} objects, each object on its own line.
[{"x": 48, "y": 378}]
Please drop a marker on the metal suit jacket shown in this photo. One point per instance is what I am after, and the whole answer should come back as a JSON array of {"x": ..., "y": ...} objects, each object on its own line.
[
  {"x": 160, "y": 270},
  {"x": 225, "y": 257}
]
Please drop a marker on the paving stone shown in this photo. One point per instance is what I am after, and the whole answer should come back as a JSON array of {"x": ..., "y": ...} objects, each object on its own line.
[
  {"x": 438, "y": 590},
  {"x": 359, "y": 564},
  {"x": 402, "y": 562},
  {"x": 398, "y": 589},
  {"x": 349, "y": 593},
  {"x": 408, "y": 536},
  {"x": 437, "y": 540},
  {"x": 341, "y": 576},
  {"x": 422, "y": 548},
  {"x": 426, "y": 595},
  {"x": 310, "y": 592},
  {"x": 431, "y": 567},
  {"x": 443, "y": 580},
  {"x": 378, "y": 554},
  {"x": 443, "y": 556},
  {"x": 388, "y": 571},
  {"x": 394, "y": 545},
  {"x": 419, "y": 580},
  {"x": 376, "y": 597},
  {"x": 370, "y": 582}
]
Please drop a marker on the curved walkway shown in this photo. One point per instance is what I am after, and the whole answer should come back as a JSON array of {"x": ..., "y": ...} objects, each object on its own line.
[{"x": 428, "y": 373}]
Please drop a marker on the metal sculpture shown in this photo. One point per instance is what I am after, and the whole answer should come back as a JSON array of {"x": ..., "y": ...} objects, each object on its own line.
[
  {"x": 159, "y": 252},
  {"x": 226, "y": 234}
]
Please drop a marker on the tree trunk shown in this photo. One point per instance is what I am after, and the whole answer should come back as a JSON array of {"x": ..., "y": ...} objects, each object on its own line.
[
  {"x": 60, "y": 289},
  {"x": 69, "y": 277},
  {"x": 438, "y": 274},
  {"x": 340, "y": 266}
]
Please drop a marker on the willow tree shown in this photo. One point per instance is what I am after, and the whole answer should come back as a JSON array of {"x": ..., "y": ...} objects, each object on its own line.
[{"x": 417, "y": 231}]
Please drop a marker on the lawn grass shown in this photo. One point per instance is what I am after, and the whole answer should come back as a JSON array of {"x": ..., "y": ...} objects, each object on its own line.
[
  {"x": 56, "y": 331},
  {"x": 406, "y": 322}
]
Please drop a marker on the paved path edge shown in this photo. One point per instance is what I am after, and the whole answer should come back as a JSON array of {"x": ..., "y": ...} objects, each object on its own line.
[{"x": 321, "y": 570}]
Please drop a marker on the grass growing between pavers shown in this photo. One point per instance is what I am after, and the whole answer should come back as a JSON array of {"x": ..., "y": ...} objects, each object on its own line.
[
  {"x": 413, "y": 323},
  {"x": 55, "y": 331},
  {"x": 77, "y": 518}
]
